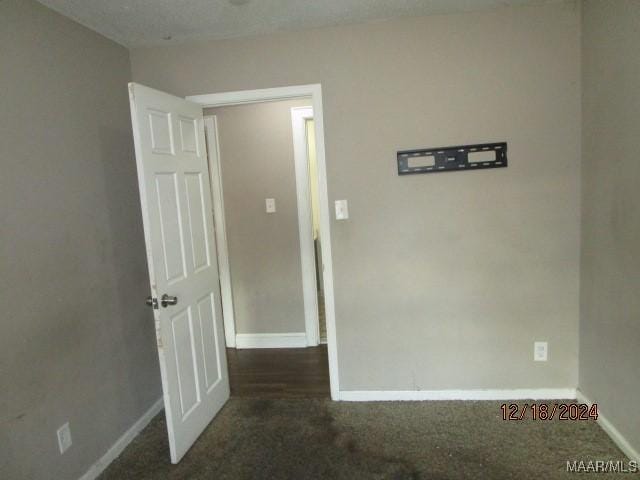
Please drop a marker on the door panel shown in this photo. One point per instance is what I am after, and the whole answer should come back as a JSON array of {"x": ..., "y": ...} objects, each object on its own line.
[
  {"x": 206, "y": 312},
  {"x": 176, "y": 208},
  {"x": 188, "y": 135},
  {"x": 186, "y": 363},
  {"x": 197, "y": 220},
  {"x": 170, "y": 230},
  {"x": 160, "y": 131}
]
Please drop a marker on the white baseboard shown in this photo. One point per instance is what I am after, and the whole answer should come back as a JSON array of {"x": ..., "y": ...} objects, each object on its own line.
[
  {"x": 271, "y": 340},
  {"x": 419, "y": 395},
  {"x": 612, "y": 431},
  {"x": 117, "y": 448}
]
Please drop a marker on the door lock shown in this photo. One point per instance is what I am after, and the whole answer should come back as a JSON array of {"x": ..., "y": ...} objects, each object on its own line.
[
  {"x": 152, "y": 302},
  {"x": 168, "y": 300}
]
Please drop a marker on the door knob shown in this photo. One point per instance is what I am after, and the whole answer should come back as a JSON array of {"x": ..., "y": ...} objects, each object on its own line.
[
  {"x": 168, "y": 300},
  {"x": 152, "y": 302}
]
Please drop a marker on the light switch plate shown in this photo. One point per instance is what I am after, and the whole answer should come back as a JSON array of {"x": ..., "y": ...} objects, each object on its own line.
[
  {"x": 342, "y": 210},
  {"x": 540, "y": 351},
  {"x": 270, "y": 204}
]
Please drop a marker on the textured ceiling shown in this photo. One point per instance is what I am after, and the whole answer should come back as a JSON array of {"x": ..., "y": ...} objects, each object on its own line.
[{"x": 136, "y": 23}]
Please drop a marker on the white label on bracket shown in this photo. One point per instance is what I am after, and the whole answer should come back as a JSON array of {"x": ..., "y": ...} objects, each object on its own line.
[
  {"x": 478, "y": 157},
  {"x": 422, "y": 161}
]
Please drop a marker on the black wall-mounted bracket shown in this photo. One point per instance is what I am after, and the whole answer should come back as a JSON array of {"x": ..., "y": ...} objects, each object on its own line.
[{"x": 446, "y": 159}]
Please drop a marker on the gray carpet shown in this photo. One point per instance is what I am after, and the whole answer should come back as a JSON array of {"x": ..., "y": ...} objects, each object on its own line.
[{"x": 318, "y": 439}]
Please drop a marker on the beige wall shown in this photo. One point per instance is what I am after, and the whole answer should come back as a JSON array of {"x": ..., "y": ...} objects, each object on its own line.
[
  {"x": 441, "y": 281},
  {"x": 256, "y": 154},
  {"x": 77, "y": 342},
  {"x": 610, "y": 305}
]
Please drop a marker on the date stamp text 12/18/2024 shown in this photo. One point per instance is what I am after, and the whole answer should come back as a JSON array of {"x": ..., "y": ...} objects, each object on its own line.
[{"x": 549, "y": 411}]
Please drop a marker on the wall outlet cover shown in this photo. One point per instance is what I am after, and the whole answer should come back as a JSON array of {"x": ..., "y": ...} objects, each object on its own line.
[
  {"x": 540, "y": 351},
  {"x": 64, "y": 438}
]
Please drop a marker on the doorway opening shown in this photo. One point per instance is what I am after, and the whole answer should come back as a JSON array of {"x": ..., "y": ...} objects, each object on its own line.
[
  {"x": 314, "y": 91},
  {"x": 272, "y": 289},
  {"x": 312, "y": 163}
]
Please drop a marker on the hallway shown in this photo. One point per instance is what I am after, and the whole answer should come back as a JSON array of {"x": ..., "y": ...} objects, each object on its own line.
[{"x": 279, "y": 372}]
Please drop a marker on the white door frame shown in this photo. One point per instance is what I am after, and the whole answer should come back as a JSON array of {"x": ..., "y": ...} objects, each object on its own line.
[
  {"x": 299, "y": 116},
  {"x": 281, "y": 93},
  {"x": 215, "y": 176}
]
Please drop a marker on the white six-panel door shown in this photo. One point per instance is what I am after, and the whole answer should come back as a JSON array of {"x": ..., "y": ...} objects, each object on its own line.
[{"x": 178, "y": 224}]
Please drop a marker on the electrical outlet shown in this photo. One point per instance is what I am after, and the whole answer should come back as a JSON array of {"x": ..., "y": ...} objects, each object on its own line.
[
  {"x": 64, "y": 438},
  {"x": 540, "y": 350}
]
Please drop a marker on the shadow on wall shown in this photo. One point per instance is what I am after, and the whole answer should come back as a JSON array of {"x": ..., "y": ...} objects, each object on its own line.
[{"x": 118, "y": 163}]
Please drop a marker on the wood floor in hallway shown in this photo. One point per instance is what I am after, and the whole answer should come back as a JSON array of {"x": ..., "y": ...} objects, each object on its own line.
[{"x": 279, "y": 372}]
